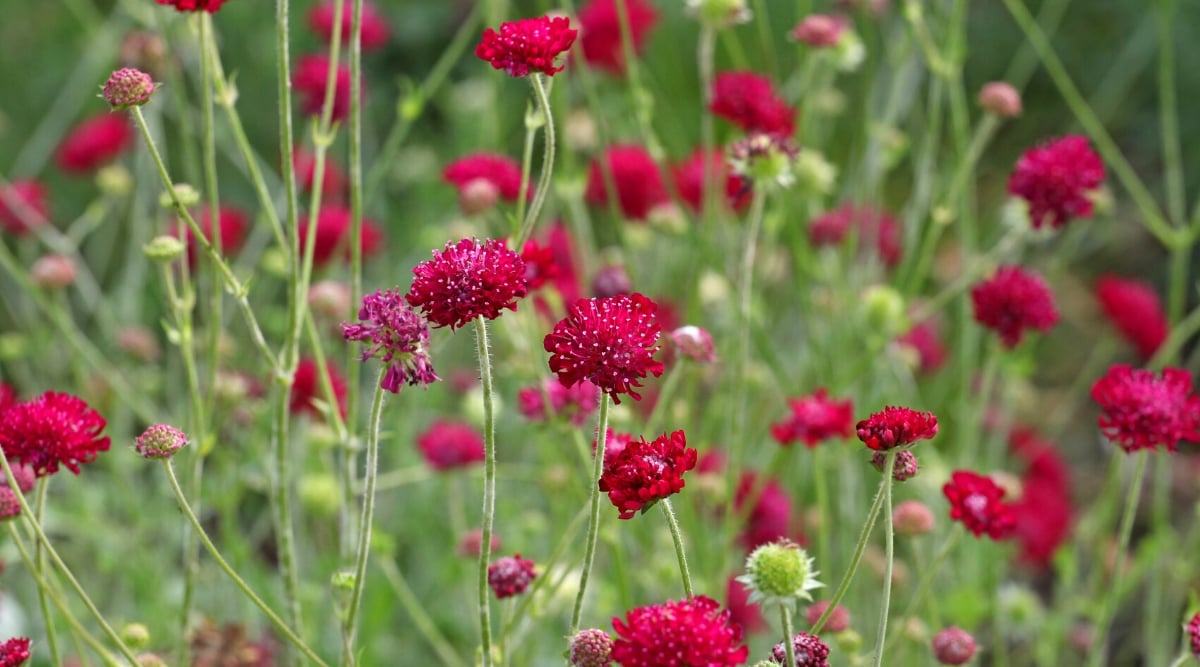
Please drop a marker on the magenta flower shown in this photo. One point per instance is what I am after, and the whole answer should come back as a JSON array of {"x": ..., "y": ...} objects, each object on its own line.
[
  {"x": 1141, "y": 411},
  {"x": 646, "y": 472},
  {"x": 51, "y": 430},
  {"x": 527, "y": 45},
  {"x": 814, "y": 419},
  {"x": 468, "y": 279},
  {"x": 395, "y": 333},
  {"x": 1012, "y": 301},
  {"x": 978, "y": 503},
  {"x": 896, "y": 427},
  {"x": 678, "y": 634},
  {"x": 1056, "y": 178}
]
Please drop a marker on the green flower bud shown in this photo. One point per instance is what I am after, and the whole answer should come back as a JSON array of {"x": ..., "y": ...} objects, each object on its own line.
[
  {"x": 164, "y": 249},
  {"x": 135, "y": 635},
  {"x": 885, "y": 310},
  {"x": 779, "y": 573},
  {"x": 188, "y": 196},
  {"x": 320, "y": 494},
  {"x": 719, "y": 13}
]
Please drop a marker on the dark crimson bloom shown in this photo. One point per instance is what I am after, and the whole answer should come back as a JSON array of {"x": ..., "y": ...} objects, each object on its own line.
[
  {"x": 333, "y": 235},
  {"x": 1012, "y": 301},
  {"x": 51, "y": 430},
  {"x": 646, "y": 472},
  {"x": 448, "y": 444},
  {"x": 333, "y": 180},
  {"x": 309, "y": 78},
  {"x": 510, "y": 576},
  {"x": 398, "y": 336},
  {"x": 1193, "y": 630},
  {"x": 874, "y": 227},
  {"x": 468, "y": 279},
  {"x": 94, "y": 142},
  {"x": 636, "y": 177},
  {"x": 610, "y": 342},
  {"x": 1141, "y": 411},
  {"x": 527, "y": 45},
  {"x": 23, "y": 206},
  {"x": 771, "y": 517},
  {"x": 375, "y": 31},
  {"x": 14, "y": 652},
  {"x": 600, "y": 32},
  {"x": 815, "y": 418},
  {"x": 896, "y": 427},
  {"x": 741, "y": 610},
  {"x": 905, "y": 468},
  {"x": 499, "y": 171},
  {"x": 1056, "y": 178},
  {"x": 688, "y": 633},
  {"x": 808, "y": 649},
  {"x": 926, "y": 339},
  {"x": 539, "y": 264},
  {"x": 1044, "y": 511},
  {"x": 590, "y": 648},
  {"x": 749, "y": 100},
  {"x": 689, "y": 181},
  {"x": 1135, "y": 310},
  {"x": 307, "y": 389},
  {"x": 231, "y": 222},
  {"x": 575, "y": 403},
  {"x": 978, "y": 503},
  {"x": 210, "y": 6}
]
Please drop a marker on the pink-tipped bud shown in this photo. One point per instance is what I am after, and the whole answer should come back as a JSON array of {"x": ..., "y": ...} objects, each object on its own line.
[
  {"x": 838, "y": 621},
  {"x": 478, "y": 195},
  {"x": 471, "y": 542},
  {"x": 953, "y": 646},
  {"x": 591, "y": 648},
  {"x": 24, "y": 477},
  {"x": 912, "y": 517},
  {"x": 53, "y": 272},
  {"x": 143, "y": 50},
  {"x": 1000, "y": 99},
  {"x": 160, "y": 441},
  {"x": 611, "y": 281},
  {"x": 904, "y": 469},
  {"x": 819, "y": 30},
  {"x": 694, "y": 343},
  {"x": 128, "y": 87},
  {"x": 329, "y": 298},
  {"x": 510, "y": 576},
  {"x": 9, "y": 505},
  {"x": 138, "y": 342}
]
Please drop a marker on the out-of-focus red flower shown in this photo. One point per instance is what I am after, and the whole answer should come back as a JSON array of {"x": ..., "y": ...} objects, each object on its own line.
[
  {"x": 1056, "y": 179},
  {"x": 575, "y": 403},
  {"x": 333, "y": 235},
  {"x": 23, "y": 206},
  {"x": 375, "y": 31},
  {"x": 678, "y": 634},
  {"x": 771, "y": 517},
  {"x": 231, "y": 222},
  {"x": 689, "y": 181},
  {"x": 1140, "y": 410},
  {"x": 741, "y": 611},
  {"x": 875, "y": 227},
  {"x": 308, "y": 79},
  {"x": 499, "y": 174},
  {"x": 94, "y": 142},
  {"x": 600, "y": 32},
  {"x": 306, "y": 389},
  {"x": 926, "y": 339},
  {"x": 1044, "y": 513},
  {"x": 978, "y": 502},
  {"x": 748, "y": 100},
  {"x": 1135, "y": 310},
  {"x": 1012, "y": 301},
  {"x": 635, "y": 176},
  {"x": 333, "y": 180},
  {"x": 815, "y": 418},
  {"x": 449, "y": 444},
  {"x": 210, "y": 6}
]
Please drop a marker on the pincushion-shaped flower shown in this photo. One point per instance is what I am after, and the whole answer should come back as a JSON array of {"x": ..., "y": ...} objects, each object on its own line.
[
  {"x": 1056, "y": 178},
  {"x": 748, "y": 100},
  {"x": 307, "y": 389},
  {"x": 1141, "y": 411},
  {"x": 1135, "y": 310},
  {"x": 875, "y": 227},
  {"x": 375, "y": 31},
  {"x": 688, "y": 633},
  {"x": 575, "y": 403},
  {"x": 896, "y": 427},
  {"x": 14, "y": 652},
  {"x": 500, "y": 173},
  {"x": 527, "y": 45},
  {"x": 689, "y": 181},
  {"x": 1193, "y": 630},
  {"x": 635, "y": 176},
  {"x": 448, "y": 444},
  {"x": 815, "y": 418},
  {"x": 333, "y": 235},
  {"x": 1012, "y": 301},
  {"x": 780, "y": 573},
  {"x": 953, "y": 646},
  {"x": 809, "y": 650},
  {"x": 600, "y": 32},
  {"x": 646, "y": 472},
  {"x": 510, "y": 576},
  {"x": 978, "y": 502},
  {"x": 128, "y": 87},
  {"x": 51, "y": 430},
  {"x": 468, "y": 279},
  {"x": 23, "y": 206},
  {"x": 160, "y": 441},
  {"x": 398, "y": 336},
  {"x": 610, "y": 342},
  {"x": 210, "y": 6},
  {"x": 309, "y": 77},
  {"x": 540, "y": 266},
  {"x": 94, "y": 142},
  {"x": 591, "y": 648}
]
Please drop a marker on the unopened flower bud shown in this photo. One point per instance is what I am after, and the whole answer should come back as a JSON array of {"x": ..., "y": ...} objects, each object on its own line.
[
  {"x": 23, "y": 475},
  {"x": 9, "y": 505},
  {"x": 694, "y": 343},
  {"x": 477, "y": 196},
  {"x": 329, "y": 298},
  {"x": 472, "y": 540},
  {"x": 53, "y": 272},
  {"x": 819, "y": 30},
  {"x": 579, "y": 131},
  {"x": 779, "y": 573},
  {"x": 342, "y": 580},
  {"x": 114, "y": 180},
  {"x": 320, "y": 494},
  {"x": 885, "y": 310},
  {"x": 849, "y": 641},
  {"x": 128, "y": 87},
  {"x": 611, "y": 280},
  {"x": 719, "y": 13},
  {"x": 838, "y": 621},
  {"x": 188, "y": 196},
  {"x": 912, "y": 517},
  {"x": 143, "y": 50},
  {"x": 904, "y": 469},
  {"x": 160, "y": 441},
  {"x": 591, "y": 648},
  {"x": 135, "y": 636},
  {"x": 814, "y": 173},
  {"x": 953, "y": 646},
  {"x": 164, "y": 249},
  {"x": 1000, "y": 99}
]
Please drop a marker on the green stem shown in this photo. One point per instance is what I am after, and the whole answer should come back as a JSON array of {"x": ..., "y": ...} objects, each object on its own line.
[
  {"x": 281, "y": 506},
  {"x": 745, "y": 293},
  {"x": 420, "y": 617},
  {"x": 1169, "y": 113},
  {"x": 677, "y": 538},
  {"x": 543, "y": 186},
  {"x": 589, "y": 553},
  {"x": 665, "y": 395},
  {"x": 489, "y": 487},
  {"x": 705, "y": 50},
  {"x": 930, "y": 574},
  {"x": 365, "y": 518},
  {"x": 789, "y": 646},
  {"x": 39, "y": 565},
  {"x": 886, "y": 604}
]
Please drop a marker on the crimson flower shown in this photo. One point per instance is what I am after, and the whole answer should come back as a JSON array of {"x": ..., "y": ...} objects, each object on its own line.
[
  {"x": 527, "y": 45},
  {"x": 635, "y": 176},
  {"x": 809, "y": 650},
  {"x": 646, "y": 472},
  {"x": 539, "y": 264},
  {"x": 610, "y": 342},
  {"x": 51, "y": 430},
  {"x": 771, "y": 517},
  {"x": 8, "y": 396},
  {"x": 1193, "y": 630},
  {"x": 1055, "y": 178},
  {"x": 741, "y": 610},
  {"x": 333, "y": 179},
  {"x": 375, "y": 31},
  {"x": 576, "y": 403},
  {"x": 449, "y": 444},
  {"x": 1044, "y": 512},
  {"x": 815, "y": 418},
  {"x": 306, "y": 389},
  {"x": 600, "y": 32},
  {"x": 978, "y": 503},
  {"x": 689, "y": 181},
  {"x": 309, "y": 79},
  {"x": 333, "y": 235},
  {"x": 510, "y": 576},
  {"x": 874, "y": 227},
  {"x": 1141, "y": 411},
  {"x": 23, "y": 206},
  {"x": 749, "y": 100},
  {"x": 1135, "y": 310},
  {"x": 1012, "y": 301},
  {"x": 468, "y": 279},
  {"x": 687, "y": 633},
  {"x": 896, "y": 427},
  {"x": 94, "y": 142},
  {"x": 210, "y": 6},
  {"x": 14, "y": 652},
  {"x": 397, "y": 334}
]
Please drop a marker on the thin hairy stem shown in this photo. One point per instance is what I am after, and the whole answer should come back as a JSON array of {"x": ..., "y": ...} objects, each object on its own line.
[{"x": 589, "y": 552}]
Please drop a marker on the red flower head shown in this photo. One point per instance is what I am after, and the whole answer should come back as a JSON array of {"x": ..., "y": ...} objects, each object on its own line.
[
  {"x": 1193, "y": 630},
  {"x": 333, "y": 235},
  {"x": 333, "y": 180},
  {"x": 468, "y": 279},
  {"x": 14, "y": 652},
  {"x": 231, "y": 222},
  {"x": 770, "y": 519},
  {"x": 741, "y": 611},
  {"x": 637, "y": 179},
  {"x": 614, "y": 444},
  {"x": 539, "y": 264},
  {"x": 874, "y": 227},
  {"x": 600, "y": 32},
  {"x": 500, "y": 172},
  {"x": 1014, "y": 300},
  {"x": 527, "y": 45},
  {"x": 448, "y": 444},
  {"x": 688, "y": 633},
  {"x": 808, "y": 649},
  {"x": 210, "y": 6},
  {"x": 309, "y": 77},
  {"x": 1141, "y": 411},
  {"x": 94, "y": 142},
  {"x": 396, "y": 334},
  {"x": 510, "y": 576},
  {"x": 1135, "y": 310},
  {"x": 815, "y": 418},
  {"x": 8, "y": 396},
  {"x": 646, "y": 472},
  {"x": 689, "y": 181},
  {"x": 576, "y": 403},
  {"x": 23, "y": 206},
  {"x": 896, "y": 427},
  {"x": 749, "y": 101},
  {"x": 306, "y": 389},
  {"x": 1055, "y": 178},
  {"x": 610, "y": 342},
  {"x": 375, "y": 31},
  {"x": 51, "y": 430},
  {"x": 1044, "y": 514},
  {"x": 558, "y": 238},
  {"x": 926, "y": 340},
  {"x": 978, "y": 503}
]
